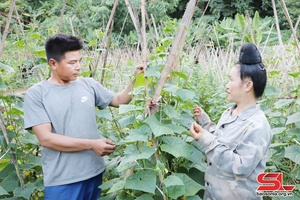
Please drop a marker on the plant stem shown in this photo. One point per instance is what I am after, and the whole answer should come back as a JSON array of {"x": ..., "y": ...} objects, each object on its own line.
[
  {"x": 12, "y": 153},
  {"x": 13, "y": 4}
]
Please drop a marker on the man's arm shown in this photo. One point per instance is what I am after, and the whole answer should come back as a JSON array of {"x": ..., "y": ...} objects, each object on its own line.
[
  {"x": 124, "y": 97},
  {"x": 69, "y": 144}
]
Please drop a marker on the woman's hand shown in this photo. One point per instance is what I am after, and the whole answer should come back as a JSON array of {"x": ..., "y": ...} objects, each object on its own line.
[
  {"x": 197, "y": 112},
  {"x": 196, "y": 131}
]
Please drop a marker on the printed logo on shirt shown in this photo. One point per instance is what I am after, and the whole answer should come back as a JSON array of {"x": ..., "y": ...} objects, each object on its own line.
[{"x": 84, "y": 99}]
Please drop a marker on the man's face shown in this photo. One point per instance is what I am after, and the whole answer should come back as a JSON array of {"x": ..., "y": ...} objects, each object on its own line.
[{"x": 69, "y": 67}]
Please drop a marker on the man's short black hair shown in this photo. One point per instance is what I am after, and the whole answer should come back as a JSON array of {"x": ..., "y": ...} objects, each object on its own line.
[{"x": 59, "y": 44}]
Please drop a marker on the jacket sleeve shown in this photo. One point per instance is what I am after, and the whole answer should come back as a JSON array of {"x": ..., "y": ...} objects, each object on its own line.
[
  {"x": 241, "y": 159},
  {"x": 206, "y": 123}
]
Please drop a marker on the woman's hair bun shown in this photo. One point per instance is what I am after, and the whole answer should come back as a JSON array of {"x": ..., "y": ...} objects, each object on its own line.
[{"x": 249, "y": 54}]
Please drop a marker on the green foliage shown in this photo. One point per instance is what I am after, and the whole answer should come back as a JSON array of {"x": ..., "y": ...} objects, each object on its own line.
[
  {"x": 154, "y": 154},
  {"x": 237, "y": 30},
  {"x": 228, "y": 8}
]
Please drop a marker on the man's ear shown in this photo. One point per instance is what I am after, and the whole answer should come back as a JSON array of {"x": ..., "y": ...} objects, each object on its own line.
[{"x": 52, "y": 63}]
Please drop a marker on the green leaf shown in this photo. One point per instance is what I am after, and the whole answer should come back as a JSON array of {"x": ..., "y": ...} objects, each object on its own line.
[
  {"x": 176, "y": 128},
  {"x": 283, "y": 102},
  {"x": 2, "y": 191},
  {"x": 258, "y": 36},
  {"x": 179, "y": 74},
  {"x": 100, "y": 34},
  {"x": 274, "y": 72},
  {"x": 167, "y": 41},
  {"x": 124, "y": 108},
  {"x": 195, "y": 197},
  {"x": 6, "y": 67},
  {"x": 133, "y": 154},
  {"x": 33, "y": 161},
  {"x": 174, "y": 187},
  {"x": 6, "y": 171},
  {"x": 126, "y": 121},
  {"x": 85, "y": 73},
  {"x": 185, "y": 94},
  {"x": 39, "y": 66},
  {"x": 240, "y": 22},
  {"x": 158, "y": 128},
  {"x": 35, "y": 36},
  {"x": 293, "y": 153},
  {"x": 191, "y": 186},
  {"x": 92, "y": 43},
  {"x": 10, "y": 182},
  {"x": 135, "y": 135},
  {"x": 152, "y": 72},
  {"x": 105, "y": 114},
  {"x": 294, "y": 74},
  {"x": 20, "y": 44},
  {"x": 145, "y": 197},
  {"x": 26, "y": 192},
  {"x": 40, "y": 53},
  {"x": 197, "y": 159},
  {"x": 117, "y": 186},
  {"x": 293, "y": 118},
  {"x": 182, "y": 148},
  {"x": 272, "y": 91},
  {"x": 144, "y": 180},
  {"x": 277, "y": 130},
  {"x": 170, "y": 88},
  {"x": 140, "y": 80},
  {"x": 159, "y": 49},
  {"x": 255, "y": 21},
  {"x": 2, "y": 85},
  {"x": 28, "y": 138},
  {"x": 109, "y": 184},
  {"x": 171, "y": 112}
]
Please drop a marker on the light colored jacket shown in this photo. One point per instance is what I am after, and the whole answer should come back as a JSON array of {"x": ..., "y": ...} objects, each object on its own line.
[{"x": 236, "y": 150}]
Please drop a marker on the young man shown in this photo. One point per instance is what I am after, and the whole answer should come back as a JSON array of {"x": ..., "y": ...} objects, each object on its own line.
[
  {"x": 235, "y": 148},
  {"x": 61, "y": 112}
]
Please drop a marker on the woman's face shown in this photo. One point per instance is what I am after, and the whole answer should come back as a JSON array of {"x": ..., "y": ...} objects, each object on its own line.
[{"x": 235, "y": 87}]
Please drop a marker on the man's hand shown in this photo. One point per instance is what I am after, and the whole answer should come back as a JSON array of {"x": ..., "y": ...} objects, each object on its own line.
[
  {"x": 103, "y": 147},
  {"x": 197, "y": 112},
  {"x": 196, "y": 131},
  {"x": 139, "y": 69}
]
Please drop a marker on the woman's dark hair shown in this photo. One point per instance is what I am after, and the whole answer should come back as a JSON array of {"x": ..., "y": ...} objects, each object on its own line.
[
  {"x": 59, "y": 44},
  {"x": 251, "y": 66}
]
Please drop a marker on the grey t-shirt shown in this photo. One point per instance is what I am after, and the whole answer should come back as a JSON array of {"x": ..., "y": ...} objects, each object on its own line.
[{"x": 71, "y": 111}]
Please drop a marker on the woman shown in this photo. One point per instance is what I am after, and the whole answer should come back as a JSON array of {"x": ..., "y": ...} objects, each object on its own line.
[{"x": 235, "y": 148}]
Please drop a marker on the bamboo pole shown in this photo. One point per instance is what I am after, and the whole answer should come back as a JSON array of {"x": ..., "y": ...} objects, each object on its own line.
[
  {"x": 26, "y": 44},
  {"x": 175, "y": 49},
  {"x": 169, "y": 65},
  {"x": 249, "y": 26},
  {"x": 108, "y": 26},
  {"x": 151, "y": 30},
  {"x": 295, "y": 28},
  {"x": 135, "y": 21},
  {"x": 286, "y": 13},
  {"x": 105, "y": 54},
  {"x": 282, "y": 48},
  {"x": 12, "y": 7},
  {"x": 154, "y": 25},
  {"x": 61, "y": 16},
  {"x": 111, "y": 17}
]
